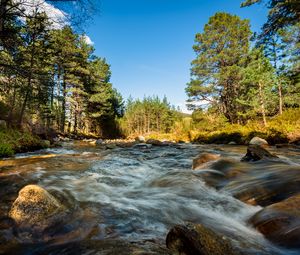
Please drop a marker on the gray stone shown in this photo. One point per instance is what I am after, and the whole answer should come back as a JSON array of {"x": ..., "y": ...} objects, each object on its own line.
[{"x": 258, "y": 141}]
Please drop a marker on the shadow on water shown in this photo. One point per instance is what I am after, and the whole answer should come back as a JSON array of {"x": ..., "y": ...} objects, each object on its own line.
[{"x": 124, "y": 201}]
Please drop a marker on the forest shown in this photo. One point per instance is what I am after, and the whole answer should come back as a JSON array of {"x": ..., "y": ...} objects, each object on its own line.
[{"x": 51, "y": 82}]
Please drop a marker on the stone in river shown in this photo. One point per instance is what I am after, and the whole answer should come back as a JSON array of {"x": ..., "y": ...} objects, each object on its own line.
[
  {"x": 192, "y": 239},
  {"x": 258, "y": 141},
  {"x": 33, "y": 206},
  {"x": 140, "y": 139},
  {"x": 280, "y": 222},
  {"x": 200, "y": 160},
  {"x": 257, "y": 152}
]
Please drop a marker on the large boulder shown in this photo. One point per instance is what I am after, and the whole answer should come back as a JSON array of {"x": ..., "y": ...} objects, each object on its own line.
[
  {"x": 258, "y": 141},
  {"x": 191, "y": 239},
  {"x": 257, "y": 152},
  {"x": 280, "y": 222},
  {"x": 265, "y": 185},
  {"x": 200, "y": 161},
  {"x": 33, "y": 206}
]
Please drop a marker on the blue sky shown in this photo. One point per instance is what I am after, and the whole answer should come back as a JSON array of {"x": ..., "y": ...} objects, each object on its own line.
[{"x": 148, "y": 43}]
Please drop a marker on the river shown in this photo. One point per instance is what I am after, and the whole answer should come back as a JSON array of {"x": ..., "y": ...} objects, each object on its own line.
[{"x": 125, "y": 200}]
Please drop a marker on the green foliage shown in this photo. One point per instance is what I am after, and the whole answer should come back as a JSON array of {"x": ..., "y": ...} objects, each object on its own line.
[
  {"x": 50, "y": 79},
  {"x": 281, "y": 14},
  {"x": 6, "y": 150},
  {"x": 281, "y": 129},
  {"x": 216, "y": 72},
  {"x": 13, "y": 141}
]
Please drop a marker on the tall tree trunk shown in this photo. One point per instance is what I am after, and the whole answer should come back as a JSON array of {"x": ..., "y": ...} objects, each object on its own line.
[
  {"x": 262, "y": 103},
  {"x": 280, "y": 97},
  {"x": 63, "y": 114},
  {"x": 11, "y": 110},
  {"x": 23, "y": 107}
]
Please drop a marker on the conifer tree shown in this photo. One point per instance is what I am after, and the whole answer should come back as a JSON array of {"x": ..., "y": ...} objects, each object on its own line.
[{"x": 216, "y": 71}]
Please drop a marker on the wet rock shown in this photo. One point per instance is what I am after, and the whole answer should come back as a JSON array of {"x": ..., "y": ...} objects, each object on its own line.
[
  {"x": 191, "y": 239},
  {"x": 280, "y": 222},
  {"x": 156, "y": 142},
  {"x": 265, "y": 185},
  {"x": 140, "y": 139},
  {"x": 33, "y": 206},
  {"x": 232, "y": 143},
  {"x": 258, "y": 141},
  {"x": 142, "y": 146},
  {"x": 200, "y": 161},
  {"x": 257, "y": 152},
  {"x": 287, "y": 146},
  {"x": 110, "y": 146},
  {"x": 99, "y": 142}
]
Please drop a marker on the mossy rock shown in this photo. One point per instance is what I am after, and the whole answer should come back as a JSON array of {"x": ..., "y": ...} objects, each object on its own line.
[
  {"x": 33, "y": 206},
  {"x": 191, "y": 239}
]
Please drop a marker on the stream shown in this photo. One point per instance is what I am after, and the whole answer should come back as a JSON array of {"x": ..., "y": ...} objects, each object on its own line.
[{"x": 125, "y": 200}]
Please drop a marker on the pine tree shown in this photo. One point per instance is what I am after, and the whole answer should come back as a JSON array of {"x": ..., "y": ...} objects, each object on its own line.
[
  {"x": 256, "y": 95},
  {"x": 216, "y": 72}
]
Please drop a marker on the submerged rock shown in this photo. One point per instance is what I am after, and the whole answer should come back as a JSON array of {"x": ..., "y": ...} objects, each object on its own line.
[
  {"x": 110, "y": 146},
  {"x": 258, "y": 141},
  {"x": 142, "y": 146},
  {"x": 33, "y": 206},
  {"x": 191, "y": 239},
  {"x": 257, "y": 152},
  {"x": 199, "y": 161},
  {"x": 265, "y": 185},
  {"x": 280, "y": 222}
]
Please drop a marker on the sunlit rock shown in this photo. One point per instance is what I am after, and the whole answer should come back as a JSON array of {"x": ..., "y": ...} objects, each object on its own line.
[
  {"x": 140, "y": 139},
  {"x": 200, "y": 161},
  {"x": 191, "y": 239},
  {"x": 258, "y": 141},
  {"x": 33, "y": 206},
  {"x": 280, "y": 222}
]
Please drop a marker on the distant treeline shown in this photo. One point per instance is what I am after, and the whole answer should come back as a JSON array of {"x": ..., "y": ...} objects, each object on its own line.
[{"x": 149, "y": 115}]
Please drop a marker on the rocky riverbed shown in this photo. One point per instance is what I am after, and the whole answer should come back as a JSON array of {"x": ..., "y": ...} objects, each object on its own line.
[{"x": 150, "y": 198}]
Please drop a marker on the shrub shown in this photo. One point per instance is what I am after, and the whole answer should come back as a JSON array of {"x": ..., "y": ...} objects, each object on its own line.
[{"x": 6, "y": 150}]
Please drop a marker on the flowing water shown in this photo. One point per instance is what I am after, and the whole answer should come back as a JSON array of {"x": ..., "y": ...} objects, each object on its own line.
[{"x": 124, "y": 201}]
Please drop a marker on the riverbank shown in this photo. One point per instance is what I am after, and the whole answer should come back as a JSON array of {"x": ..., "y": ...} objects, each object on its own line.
[
  {"x": 15, "y": 141},
  {"x": 281, "y": 129}
]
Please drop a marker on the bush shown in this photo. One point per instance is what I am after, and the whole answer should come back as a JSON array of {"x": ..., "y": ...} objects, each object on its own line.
[
  {"x": 6, "y": 150},
  {"x": 15, "y": 141}
]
